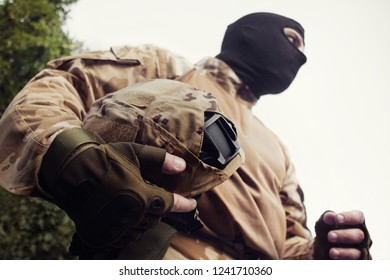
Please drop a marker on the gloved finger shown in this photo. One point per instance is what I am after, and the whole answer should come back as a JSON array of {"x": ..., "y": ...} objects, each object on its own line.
[
  {"x": 329, "y": 218},
  {"x": 354, "y": 217},
  {"x": 183, "y": 204},
  {"x": 326, "y": 222},
  {"x": 149, "y": 158},
  {"x": 346, "y": 236},
  {"x": 345, "y": 253}
]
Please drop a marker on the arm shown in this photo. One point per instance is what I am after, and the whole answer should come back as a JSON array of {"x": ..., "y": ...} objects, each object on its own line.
[
  {"x": 59, "y": 97},
  {"x": 298, "y": 238}
]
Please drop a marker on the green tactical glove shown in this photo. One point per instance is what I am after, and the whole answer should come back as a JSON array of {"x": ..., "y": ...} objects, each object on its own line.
[
  {"x": 322, "y": 244},
  {"x": 101, "y": 189}
]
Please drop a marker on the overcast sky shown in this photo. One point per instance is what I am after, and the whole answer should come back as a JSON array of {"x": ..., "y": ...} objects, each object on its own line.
[{"x": 334, "y": 118}]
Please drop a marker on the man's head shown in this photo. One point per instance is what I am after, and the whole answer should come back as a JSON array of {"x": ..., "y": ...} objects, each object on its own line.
[
  {"x": 184, "y": 121},
  {"x": 265, "y": 51}
]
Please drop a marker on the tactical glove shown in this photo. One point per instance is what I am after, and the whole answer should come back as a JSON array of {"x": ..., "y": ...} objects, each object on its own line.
[
  {"x": 100, "y": 187},
  {"x": 322, "y": 244}
]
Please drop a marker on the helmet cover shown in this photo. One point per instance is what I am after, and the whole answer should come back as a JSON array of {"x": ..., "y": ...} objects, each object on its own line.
[{"x": 166, "y": 114}]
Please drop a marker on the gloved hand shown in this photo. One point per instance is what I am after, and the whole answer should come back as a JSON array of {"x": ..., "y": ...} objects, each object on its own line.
[
  {"x": 100, "y": 187},
  {"x": 341, "y": 236}
]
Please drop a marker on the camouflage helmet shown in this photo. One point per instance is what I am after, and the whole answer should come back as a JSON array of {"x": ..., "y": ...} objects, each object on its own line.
[{"x": 170, "y": 115}]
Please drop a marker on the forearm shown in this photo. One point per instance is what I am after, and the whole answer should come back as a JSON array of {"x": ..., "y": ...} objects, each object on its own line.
[
  {"x": 298, "y": 237},
  {"x": 40, "y": 111},
  {"x": 299, "y": 241},
  {"x": 59, "y": 97}
]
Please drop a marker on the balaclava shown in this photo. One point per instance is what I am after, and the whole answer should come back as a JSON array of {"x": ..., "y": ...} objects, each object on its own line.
[{"x": 259, "y": 52}]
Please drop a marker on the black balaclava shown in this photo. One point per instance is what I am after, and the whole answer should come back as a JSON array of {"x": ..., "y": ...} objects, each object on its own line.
[{"x": 259, "y": 52}]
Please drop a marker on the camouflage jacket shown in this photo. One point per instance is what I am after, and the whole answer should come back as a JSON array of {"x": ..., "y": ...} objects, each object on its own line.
[
  {"x": 59, "y": 97},
  {"x": 258, "y": 212}
]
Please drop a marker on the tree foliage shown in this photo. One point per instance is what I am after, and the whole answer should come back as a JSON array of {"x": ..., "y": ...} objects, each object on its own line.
[
  {"x": 31, "y": 34},
  {"x": 31, "y": 228}
]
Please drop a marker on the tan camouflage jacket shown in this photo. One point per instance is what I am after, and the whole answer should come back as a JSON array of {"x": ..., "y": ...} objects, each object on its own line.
[
  {"x": 59, "y": 97},
  {"x": 258, "y": 213}
]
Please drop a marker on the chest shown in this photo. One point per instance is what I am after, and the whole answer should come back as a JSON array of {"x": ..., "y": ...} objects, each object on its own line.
[{"x": 265, "y": 158}]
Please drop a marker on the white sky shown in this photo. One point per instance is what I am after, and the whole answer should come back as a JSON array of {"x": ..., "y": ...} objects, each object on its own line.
[{"x": 333, "y": 119}]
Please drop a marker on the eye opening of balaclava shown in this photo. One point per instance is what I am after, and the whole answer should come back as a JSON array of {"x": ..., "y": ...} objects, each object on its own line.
[{"x": 259, "y": 52}]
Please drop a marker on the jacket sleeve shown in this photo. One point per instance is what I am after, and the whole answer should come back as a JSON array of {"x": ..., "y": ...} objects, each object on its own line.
[
  {"x": 59, "y": 97},
  {"x": 298, "y": 239}
]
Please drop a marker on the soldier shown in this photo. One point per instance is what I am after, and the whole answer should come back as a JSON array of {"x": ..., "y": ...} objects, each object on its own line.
[
  {"x": 261, "y": 54},
  {"x": 258, "y": 213}
]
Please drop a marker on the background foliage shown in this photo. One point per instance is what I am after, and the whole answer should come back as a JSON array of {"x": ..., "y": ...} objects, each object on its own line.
[
  {"x": 31, "y": 228},
  {"x": 31, "y": 34}
]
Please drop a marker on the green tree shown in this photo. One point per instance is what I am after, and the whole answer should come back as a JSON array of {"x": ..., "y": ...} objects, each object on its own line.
[
  {"x": 30, "y": 35},
  {"x": 31, "y": 228}
]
